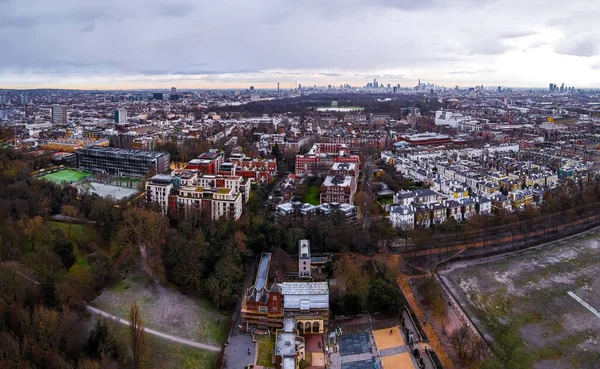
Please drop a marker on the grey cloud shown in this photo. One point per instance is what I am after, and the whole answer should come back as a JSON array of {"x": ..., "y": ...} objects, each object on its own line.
[
  {"x": 517, "y": 34},
  {"x": 583, "y": 46},
  {"x": 486, "y": 47},
  {"x": 175, "y": 9},
  {"x": 232, "y": 39},
  {"x": 90, "y": 27}
]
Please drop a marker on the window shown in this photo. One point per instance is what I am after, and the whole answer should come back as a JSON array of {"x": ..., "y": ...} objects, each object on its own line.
[
  {"x": 274, "y": 298},
  {"x": 304, "y": 268}
]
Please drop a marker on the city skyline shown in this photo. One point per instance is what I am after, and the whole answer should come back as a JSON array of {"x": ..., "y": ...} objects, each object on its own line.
[{"x": 192, "y": 44}]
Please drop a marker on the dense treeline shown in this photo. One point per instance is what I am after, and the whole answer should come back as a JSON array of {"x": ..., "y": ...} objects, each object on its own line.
[
  {"x": 60, "y": 248},
  {"x": 42, "y": 288},
  {"x": 370, "y": 102}
]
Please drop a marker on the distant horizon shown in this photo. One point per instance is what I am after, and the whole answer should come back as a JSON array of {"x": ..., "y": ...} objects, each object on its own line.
[{"x": 257, "y": 88}]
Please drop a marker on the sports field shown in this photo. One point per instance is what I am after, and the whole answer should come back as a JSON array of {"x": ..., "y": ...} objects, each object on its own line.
[{"x": 66, "y": 176}]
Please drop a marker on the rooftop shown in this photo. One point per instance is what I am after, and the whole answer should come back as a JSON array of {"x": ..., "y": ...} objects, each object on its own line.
[
  {"x": 120, "y": 151},
  {"x": 304, "y": 288},
  {"x": 337, "y": 181},
  {"x": 263, "y": 270}
]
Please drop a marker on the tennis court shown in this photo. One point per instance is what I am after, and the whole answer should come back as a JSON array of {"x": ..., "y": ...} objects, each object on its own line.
[
  {"x": 66, "y": 176},
  {"x": 388, "y": 338},
  {"x": 401, "y": 361}
]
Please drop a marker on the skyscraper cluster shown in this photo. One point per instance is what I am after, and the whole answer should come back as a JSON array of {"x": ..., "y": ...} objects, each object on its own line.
[{"x": 553, "y": 88}]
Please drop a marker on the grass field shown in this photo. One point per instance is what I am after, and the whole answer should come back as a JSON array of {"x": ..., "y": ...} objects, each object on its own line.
[
  {"x": 80, "y": 234},
  {"x": 165, "y": 309},
  {"x": 521, "y": 301},
  {"x": 166, "y": 354},
  {"x": 66, "y": 176},
  {"x": 313, "y": 195},
  {"x": 266, "y": 345}
]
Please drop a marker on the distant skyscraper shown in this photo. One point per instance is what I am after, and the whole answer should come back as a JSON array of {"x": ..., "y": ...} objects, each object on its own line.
[
  {"x": 157, "y": 96},
  {"x": 59, "y": 114},
  {"x": 375, "y": 83},
  {"x": 251, "y": 88},
  {"x": 299, "y": 86},
  {"x": 121, "y": 116},
  {"x": 389, "y": 85},
  {"x": 277, "y": 86},
  {"x": 329, "y": 87},
  {"x": 173, "y": 90},
  {"x": 2, "y": 99},
  {"x": 24, "y": 99}
]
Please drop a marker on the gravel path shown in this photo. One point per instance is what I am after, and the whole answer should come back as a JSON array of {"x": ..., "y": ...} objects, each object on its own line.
[{"x": 156, "y": 333}]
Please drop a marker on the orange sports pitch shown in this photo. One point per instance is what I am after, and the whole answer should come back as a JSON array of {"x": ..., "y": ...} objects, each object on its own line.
[
  {"x": 401, "y": 361},
  {"x": 385, "y": 340}
]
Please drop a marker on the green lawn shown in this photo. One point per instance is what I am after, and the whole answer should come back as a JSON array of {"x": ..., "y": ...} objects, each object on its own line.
[
  {"x": 313, "y": 195},
  {"x": 165, "y": 354},
  {"x": 79, "y": 232},
  {"x": 66, "y": 176},
  {"x": 386, "y": 200},
  {"x": 266, "y": 345}
]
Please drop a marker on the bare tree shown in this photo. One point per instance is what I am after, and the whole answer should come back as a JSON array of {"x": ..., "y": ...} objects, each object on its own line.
[
  {"x": 70, "y": 212},
  {"x": 136, "y": 334}
]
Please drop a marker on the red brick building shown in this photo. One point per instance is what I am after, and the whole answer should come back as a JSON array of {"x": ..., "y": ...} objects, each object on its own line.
[
  {"x": 260, "y": 170},
  {"x": 207, "y": 163},
  {"x": 320, "y": 164}
]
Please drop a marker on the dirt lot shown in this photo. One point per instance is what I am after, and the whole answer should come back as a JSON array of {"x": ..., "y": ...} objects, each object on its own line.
[
  {"x": 165, "y": 309},
  {"x": 528, "y": 291}
]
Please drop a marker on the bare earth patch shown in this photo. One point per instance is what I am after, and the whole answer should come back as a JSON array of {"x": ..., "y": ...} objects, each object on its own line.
[
  {"x": 165, "y": 309},
  {"x": 529, "y": 290}
]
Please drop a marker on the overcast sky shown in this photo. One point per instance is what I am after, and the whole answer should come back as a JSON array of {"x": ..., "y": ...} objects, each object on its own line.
[{"x": 237, "y": 43}]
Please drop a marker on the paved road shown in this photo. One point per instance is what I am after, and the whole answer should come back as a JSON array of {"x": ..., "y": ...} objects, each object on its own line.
[
  {"x": 434, "y": 341},
  {"x": 156, "y": 333},
  {"x": 238, "y": 343}
]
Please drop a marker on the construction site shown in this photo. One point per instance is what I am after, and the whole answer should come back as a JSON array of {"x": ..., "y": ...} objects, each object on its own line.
[{"x": 540, "y": 301}]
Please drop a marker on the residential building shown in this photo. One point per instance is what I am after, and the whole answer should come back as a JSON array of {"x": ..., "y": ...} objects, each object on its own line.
[
  {"x": 158, "y": 190},
  {"x": 215, "y": 196},
  {"x": 59, "y": 114},
  {"x": 259, "y": 170},
  {"x": 217, "y": 202},
  {"x": 469, "y": 208},
  {"x": 454, "y": 210},
  {"x": 122, "y": 162},
  {"x": 484, "y": 205},
  {"x": 121, "y": 116},
  {"x": 320, "y": 159},
  {"x": 402, "y": 216},
  {"x": 422, "y": 216},
  {"x": 336, "y": 188},
  {"x": 425, "y": 196},
  {"x": 439, "y": 213},
  {"x": 426, "y": 139},
  {"x": 207, "y": 163}
]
